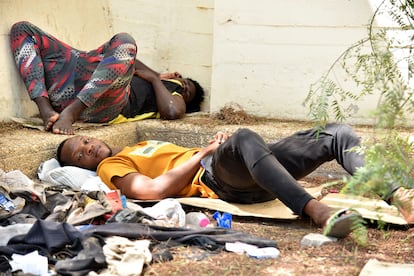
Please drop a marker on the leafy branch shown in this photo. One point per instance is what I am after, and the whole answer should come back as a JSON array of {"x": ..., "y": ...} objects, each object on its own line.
[
  {"x": 380, "y": 66},
  {"x": 371, "y": 66}
]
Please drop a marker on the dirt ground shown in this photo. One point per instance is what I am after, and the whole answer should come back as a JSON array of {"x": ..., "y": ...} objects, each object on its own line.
[
  {"x": 340, "y": 258},
  {"x": 344, "y": 257}
]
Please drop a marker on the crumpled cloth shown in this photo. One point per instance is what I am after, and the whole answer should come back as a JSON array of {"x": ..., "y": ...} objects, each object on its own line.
[
  {"x": 208, "y": 238},
  {"x": 167, "y": 212},
  {"x": 48, "y": 238},
  {"x": 90, "y": 206},
  {"x": 125, "y": 257},
  {"x": 15, "y": 182},
  {"x": 90, "y": 257},
  {"x": 65, "y": 246}
]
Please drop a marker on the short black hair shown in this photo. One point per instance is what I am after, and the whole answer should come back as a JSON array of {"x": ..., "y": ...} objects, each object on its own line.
[
  {"x": 59, "y": 153},
  {"x": 195, "y": 104}
]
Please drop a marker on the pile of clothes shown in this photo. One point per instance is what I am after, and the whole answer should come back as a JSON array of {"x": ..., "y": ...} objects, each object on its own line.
[{"x": 70, "y": 228}]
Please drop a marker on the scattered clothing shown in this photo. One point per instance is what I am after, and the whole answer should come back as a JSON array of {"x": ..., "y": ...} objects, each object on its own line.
[
  {"x": 75, "y": 252},
  {"x": 212, "y": 236},
  {"x": 82, "y": 231},
  {"x": 89, "y": 258},
  {"x": 51, "y": 239}
]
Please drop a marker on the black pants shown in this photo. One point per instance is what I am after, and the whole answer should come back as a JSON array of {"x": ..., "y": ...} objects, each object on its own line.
[{"x": 245, "y": 169}]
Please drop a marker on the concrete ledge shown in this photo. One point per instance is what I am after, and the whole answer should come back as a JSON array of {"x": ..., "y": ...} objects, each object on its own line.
[{"x": 25, "y": 149}]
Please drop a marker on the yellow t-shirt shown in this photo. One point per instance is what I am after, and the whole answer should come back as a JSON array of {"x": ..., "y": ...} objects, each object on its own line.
[{"x": 144, "y": 157}]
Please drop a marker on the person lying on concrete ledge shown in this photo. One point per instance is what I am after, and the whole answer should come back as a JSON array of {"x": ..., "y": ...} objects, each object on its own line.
[
  {"x": 167, "y": 96},
  {"x": 240, "y": 168},
  {"x": 93, "y": 86}
]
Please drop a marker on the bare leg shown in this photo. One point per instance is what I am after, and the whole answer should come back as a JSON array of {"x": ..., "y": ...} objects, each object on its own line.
[{"x": 403, "y": 199}]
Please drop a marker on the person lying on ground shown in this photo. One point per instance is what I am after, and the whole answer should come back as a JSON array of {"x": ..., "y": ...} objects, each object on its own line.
[
  {"x": 240, "y": 168},
  {"x": 94, "y": 86},
  {"x": 167, "y": 96}
]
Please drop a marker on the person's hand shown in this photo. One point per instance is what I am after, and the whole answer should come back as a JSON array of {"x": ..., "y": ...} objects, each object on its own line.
[
  {"x": 219, "y": 138},
  {"x": 170, "y": 75}
]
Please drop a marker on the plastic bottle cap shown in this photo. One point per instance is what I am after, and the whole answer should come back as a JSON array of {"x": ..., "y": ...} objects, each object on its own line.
[{"x": 204, "y": 222}]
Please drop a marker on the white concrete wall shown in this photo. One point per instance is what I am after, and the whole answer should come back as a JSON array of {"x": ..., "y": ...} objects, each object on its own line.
[
  {"x": 267, "y": 54},
  {"x": 263, "y": 55}
]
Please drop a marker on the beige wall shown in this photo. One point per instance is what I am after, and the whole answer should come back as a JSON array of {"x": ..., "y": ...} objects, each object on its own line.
[
  {"x": 263, "y": 56},
  {"x": 267, "y": 55}
]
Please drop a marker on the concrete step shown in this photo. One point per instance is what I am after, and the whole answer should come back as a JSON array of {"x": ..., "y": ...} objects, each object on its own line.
[{"x": 25, "y": 149}]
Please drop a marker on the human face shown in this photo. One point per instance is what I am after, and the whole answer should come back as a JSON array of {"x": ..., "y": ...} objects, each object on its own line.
[
  {"x": 84, "y": 152},
  {"x": 188, "y": 90}
]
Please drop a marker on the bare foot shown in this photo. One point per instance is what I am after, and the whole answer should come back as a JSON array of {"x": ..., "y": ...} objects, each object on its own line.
[
  {"x": 48, "y": 114},
  {"x": 63, "y": 125},
  {"x": 49, "y": 118},
  {"x": 51, "y": 121},
  {"x": 403, "y": 199}
]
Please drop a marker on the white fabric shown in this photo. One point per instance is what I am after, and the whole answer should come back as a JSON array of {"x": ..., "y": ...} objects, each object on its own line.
[
  {"x": 31, "y": 263},
  {"x": 72, "y": 177},
  {"x": 125, "y": 257},
  {"x": 9, "y": 231},
  {"x": 169, "y": 211},
  {"x": 252, "y": 250},
  {"x": 15, "y": 179}
]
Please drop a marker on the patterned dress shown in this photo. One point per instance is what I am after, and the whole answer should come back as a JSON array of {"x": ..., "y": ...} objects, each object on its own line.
[{"x": 50, "y": 68}]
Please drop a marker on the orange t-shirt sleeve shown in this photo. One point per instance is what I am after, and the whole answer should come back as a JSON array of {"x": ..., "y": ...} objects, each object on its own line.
[{"x": 114, "y": 166}]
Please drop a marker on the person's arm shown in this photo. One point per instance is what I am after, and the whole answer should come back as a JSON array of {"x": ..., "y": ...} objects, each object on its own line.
[
  {"x": 140, "y": 66},
  {"x": 139, "y": 186},
  {"x": 170, "y": 107}
]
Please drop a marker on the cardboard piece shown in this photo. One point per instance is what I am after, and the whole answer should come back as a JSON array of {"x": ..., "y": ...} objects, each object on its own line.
[
  {"x": 269, "y": 209},
  {"x": 369, "y": 208}
]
